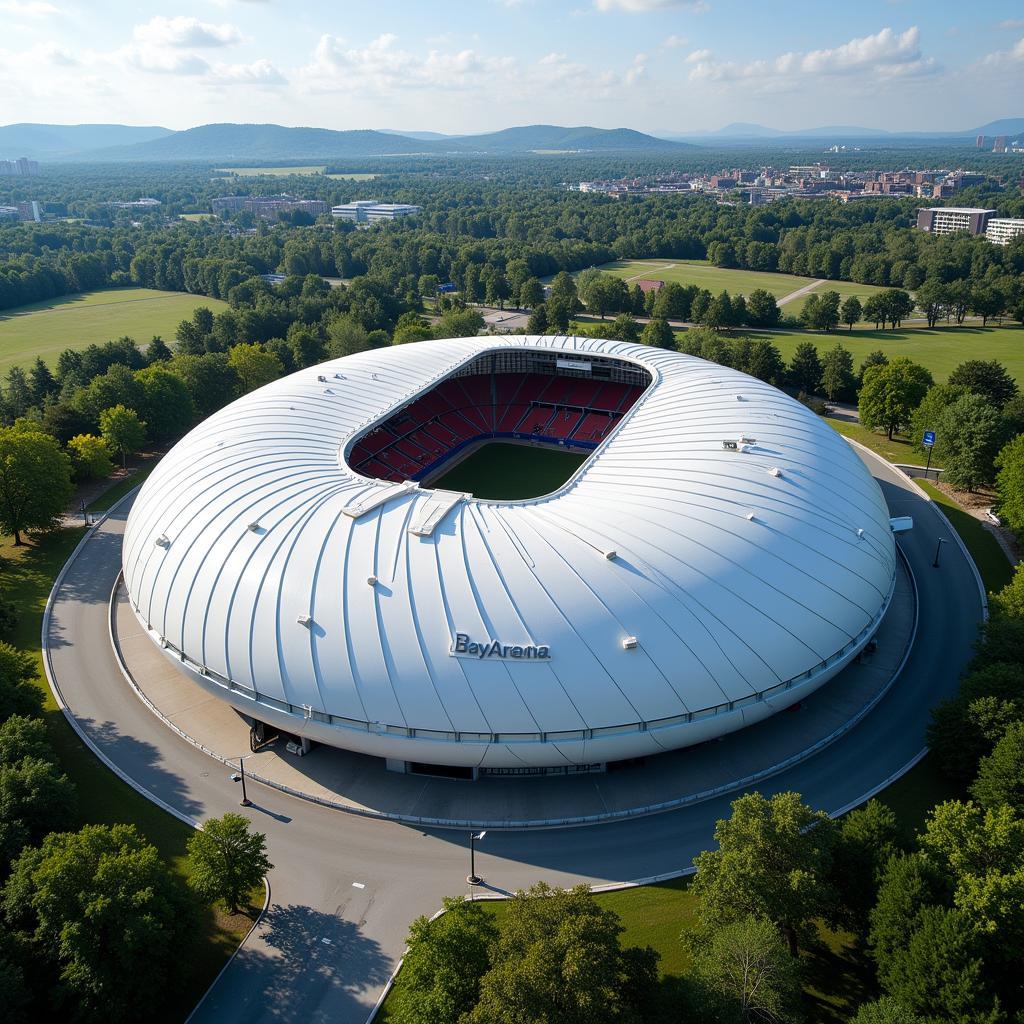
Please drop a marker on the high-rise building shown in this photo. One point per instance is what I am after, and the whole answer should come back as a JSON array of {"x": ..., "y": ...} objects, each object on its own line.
[
  {"x": 1001, "y": 229},
  {"x": 1000, "y": 144},
  {"x": 945, "y": 220},
  {"x": 980, "y": 142},
  {"x": 22, "y": 166}
]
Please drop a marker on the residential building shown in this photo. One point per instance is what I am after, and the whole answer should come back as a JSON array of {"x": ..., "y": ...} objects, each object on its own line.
[
  {"x": 145, "y": 203},
  {"x": 1001, "y": 229},
  {"x": 20, "y": 167},
  {"x": 268, "y": 207},
  {"x": 945, "y": 220}
]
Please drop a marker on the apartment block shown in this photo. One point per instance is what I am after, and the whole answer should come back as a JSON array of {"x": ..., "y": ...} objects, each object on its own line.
[{"x": 945, "y": 220}]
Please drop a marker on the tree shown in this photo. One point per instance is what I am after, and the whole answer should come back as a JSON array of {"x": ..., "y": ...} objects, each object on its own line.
[
  {"x": 41, "y": 384},
  {"x": 909, "y": 883},
  {"x": 940, "y": 972},
  {"x": 985, "y": 377},
  {"x": 625, "y": 328},
  {"x": 986, "y": 302},
  {"x": 930, "y": 411},
  {"x": 851, "y": 311},
  {"x": 35, "y": 481},
  {"x": 746, "y": 963},
  {"x": 932, "y": 299},
  {"x": 658, "y": 333},
  {"x": 254, "y": 365},
  {"x": 538, "y": 320},
  {"x": 103, "y": 906},
  {"x": 837, "y": 372},
  {"x": 762, "y": 309},
  {"x": 227, "y": 860},
  {"x": 22, "y": 736},
  {"x": 970, "y": 433},
  {"x": 563, "y": 288},
  {"x": 166, "y": 404},
  {"x": 963, "y": 730},
  {"x": 1001, "y": 775},
  {"x": 459, "y": 323},
  {"x": 887, "y": 1011},
  {"x": 890, "y": 393},
  {"x": 90, "y": 457},
  {"x": 531, "y": 294},
  {"x": 18, "y": 695},
  {"x": 867, "y": 839},
  {"x": 558, "y": 958},
  {"x": 123, "y": 431},
  {"x": 1009, "y": 464},
  {"x": 558, "y": 315},
  {"x": 876, "y": 358},
  {"x": 443, "y": 964},
  {"x": 35, "y": 798},
  {"x": 805, "y": 368},
  {"x": 773, "y": 861},
  {"x": 157, "y": 351},
  {"x": 821, "y": 311},
  {"x": 1010, "y": 600},
  {"x": 210, "y": 379},
  {"x": 765, "y": 362}
]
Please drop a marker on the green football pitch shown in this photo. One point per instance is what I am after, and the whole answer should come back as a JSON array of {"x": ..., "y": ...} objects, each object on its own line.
[{"x": 511, "y": 472}]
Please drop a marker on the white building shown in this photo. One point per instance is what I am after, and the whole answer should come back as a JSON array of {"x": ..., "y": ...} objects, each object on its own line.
[
  {"x": 947, "y": 220},
  {"x": 1001, "y": 229},
  {"x": 369, "y": 211},
  {"x": 721, "y": 554}
]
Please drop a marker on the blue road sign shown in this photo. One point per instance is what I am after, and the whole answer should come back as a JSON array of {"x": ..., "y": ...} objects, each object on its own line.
[{"x": 929, "y": 438}]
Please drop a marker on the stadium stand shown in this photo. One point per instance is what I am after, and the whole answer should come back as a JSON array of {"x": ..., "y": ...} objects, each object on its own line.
[{"x": 561, "y": 409}]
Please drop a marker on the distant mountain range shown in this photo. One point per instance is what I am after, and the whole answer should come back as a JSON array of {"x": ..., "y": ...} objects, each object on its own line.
[
  {"x": 262, "y": 143},
  {"x": 1009, "y": 126}
]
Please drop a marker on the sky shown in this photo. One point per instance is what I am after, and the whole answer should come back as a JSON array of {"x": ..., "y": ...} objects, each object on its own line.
[{"x": 462, "y": 66}]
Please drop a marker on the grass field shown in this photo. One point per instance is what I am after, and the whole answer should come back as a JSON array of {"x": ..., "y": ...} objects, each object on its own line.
[
  {"x": 509, "y": 472},
  {"x": 899, "y": 449},
  {"x": 845, "y": 289},
  {"x": 284, "y": 172},
  {"x": 76, "y": 321},
  {"x": 26, "y": 576},
  {"x": 197, "y": 216},
  {"x": 705, "y": 275}
]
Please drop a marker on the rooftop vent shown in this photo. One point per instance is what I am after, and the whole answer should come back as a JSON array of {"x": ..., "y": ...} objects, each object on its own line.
[{"x": 630, "y": 643}]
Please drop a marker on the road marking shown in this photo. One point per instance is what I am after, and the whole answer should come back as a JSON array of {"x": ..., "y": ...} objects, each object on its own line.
[{"x": 358, "y": 885}]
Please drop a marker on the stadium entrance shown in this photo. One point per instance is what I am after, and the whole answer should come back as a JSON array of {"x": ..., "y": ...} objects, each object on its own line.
[{"x": 546, "y": 413}]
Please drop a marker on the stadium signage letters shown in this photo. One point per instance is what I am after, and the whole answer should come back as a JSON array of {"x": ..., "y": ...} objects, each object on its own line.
[{"x": 463, "y": 647}]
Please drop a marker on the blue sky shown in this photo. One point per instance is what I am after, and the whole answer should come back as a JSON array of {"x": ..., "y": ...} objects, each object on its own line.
[{"x": 460, "y": 66}]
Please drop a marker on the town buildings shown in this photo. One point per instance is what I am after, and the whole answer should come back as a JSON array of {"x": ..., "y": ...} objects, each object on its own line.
[
  {"x": 369, "y": 211},
  {"x": 268, "y": 207},
  {"x": 945, "y": 220},
  {"x": 22, "y": 167}
]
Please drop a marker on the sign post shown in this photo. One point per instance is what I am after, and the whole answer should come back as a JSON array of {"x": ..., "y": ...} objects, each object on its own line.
[{"x": 929, "y": 442}]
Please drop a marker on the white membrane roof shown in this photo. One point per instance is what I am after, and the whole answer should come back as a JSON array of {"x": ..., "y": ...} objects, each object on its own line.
[{"x": 256, "y": 551}]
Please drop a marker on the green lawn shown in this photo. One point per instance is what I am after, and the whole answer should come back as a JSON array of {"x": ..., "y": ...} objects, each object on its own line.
[
  {"x": 509, "y": 472},
  {"x": 117, "y": 491},
  {"x": 845, "y": 289},
  {"x": 26, "y": 576},
  {"x": 706, "y": 275},
  {"x": 76, "y": 321},
  {"x": 899, "y": 449},
  {"x": 274, "y": 172},
  {"x": 992, "y": 563}
]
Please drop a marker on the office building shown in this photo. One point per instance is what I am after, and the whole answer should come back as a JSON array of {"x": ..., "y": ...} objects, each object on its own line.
[
  {"x": 1001, "y": 229},
  {"x": 369, "y": 211},
  {"x": 268, "y": 207},
  {"x": 946, "y": 220}
]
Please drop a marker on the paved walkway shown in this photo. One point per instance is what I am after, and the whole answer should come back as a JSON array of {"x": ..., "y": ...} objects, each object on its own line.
[
  {"x": 807, "y": 288},
  {"x": 356, "y": 782}
]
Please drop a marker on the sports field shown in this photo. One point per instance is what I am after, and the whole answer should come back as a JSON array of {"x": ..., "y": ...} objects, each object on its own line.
[
  {"x": 510, "y": 472},
  {"x": 705, "y": 275},
  {"x": 77, "y": 321},
  {"x": 940, "y": 349}
]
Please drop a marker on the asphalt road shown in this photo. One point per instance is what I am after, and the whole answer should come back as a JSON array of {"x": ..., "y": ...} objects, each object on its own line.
[{"x": 344, "y": 888}]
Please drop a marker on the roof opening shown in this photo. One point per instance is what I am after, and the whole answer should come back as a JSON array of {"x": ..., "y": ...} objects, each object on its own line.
[{"x": 509, "y": 425}]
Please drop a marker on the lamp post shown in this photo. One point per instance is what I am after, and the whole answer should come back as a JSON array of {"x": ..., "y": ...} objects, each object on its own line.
[
  {"x": 938, "y": 551},
  {"x": 474, "y": 837},
  {"x": 239, "y": 776}
]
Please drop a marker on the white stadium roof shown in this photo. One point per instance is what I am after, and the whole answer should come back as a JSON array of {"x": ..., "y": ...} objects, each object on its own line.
[{"x": 347, "y": 609}]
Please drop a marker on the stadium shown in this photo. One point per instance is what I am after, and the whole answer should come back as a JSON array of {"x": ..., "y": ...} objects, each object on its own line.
[{"x": 511, "y": 555}]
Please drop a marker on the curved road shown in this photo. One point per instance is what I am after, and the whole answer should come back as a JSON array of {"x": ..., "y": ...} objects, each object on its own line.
[{"x": 345, "y": 888}]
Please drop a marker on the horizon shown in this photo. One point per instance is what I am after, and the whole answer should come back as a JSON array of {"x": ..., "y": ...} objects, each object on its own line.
[{"x": 663, "y": 67}]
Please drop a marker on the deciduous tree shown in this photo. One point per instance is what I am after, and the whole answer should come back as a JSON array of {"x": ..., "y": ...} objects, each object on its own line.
[
  {"x": 123, "y": 431},
  {"x": 890, "y": 393},
  {"x": 35, "y": 481},
  {"x": 90, "y": 457},
  {"x": 227, "y": 859}
]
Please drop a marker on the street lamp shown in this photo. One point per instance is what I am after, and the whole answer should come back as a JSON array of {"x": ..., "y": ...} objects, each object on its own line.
[
  {"x": 474, "y": 837},
  {"x": 239, "y": 776},
  {"x": 938, "y": 551}
]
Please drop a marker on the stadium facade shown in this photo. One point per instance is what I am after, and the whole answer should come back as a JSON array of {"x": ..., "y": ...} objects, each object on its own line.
[{"x": 719, "y": 555}]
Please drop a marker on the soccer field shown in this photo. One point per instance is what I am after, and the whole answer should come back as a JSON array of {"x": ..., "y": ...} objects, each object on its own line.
[
  {"x": 77, "y": 321},
  {"x": 510, "y": 472}
]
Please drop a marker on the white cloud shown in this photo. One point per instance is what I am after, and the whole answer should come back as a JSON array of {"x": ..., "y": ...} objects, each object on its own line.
[
  {"x": 1001, "y": 58},
  {"x": 698, "y": 55},
  {"x": 642, "y": 6},
  {"x": 636, "y": 70},
  {"x": 259, "y": 72},
  {"x": 673, "y": 42},
  {"x": 884, "y": 55},
  {"x": 1012, "y": 23},
  {"x": 184, "y": 32}
]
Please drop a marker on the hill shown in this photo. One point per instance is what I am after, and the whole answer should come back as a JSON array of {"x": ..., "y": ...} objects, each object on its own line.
[
  {"x": 45, "y": 140},
  {"x": 534, "y": 137},
  {"x": 263, "y": 142}
]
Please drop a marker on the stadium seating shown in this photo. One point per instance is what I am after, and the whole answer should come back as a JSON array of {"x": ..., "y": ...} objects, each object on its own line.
[{"x": 417, "y": 439}]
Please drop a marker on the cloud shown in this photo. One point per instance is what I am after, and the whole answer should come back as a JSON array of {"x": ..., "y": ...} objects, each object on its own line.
[
  {"x": 884, "y": 55},
  {"x": 697, "y": 56},
  {"x": 184, "y": 32},
  {"x": 259, "y": 72},
  {"x": 1001, "y": 58},
  {"x": 1012, "y": 23},
  {"x": 636, "y": 70},
  {"x": 642, "y": 6},
  {"x": 673, "y": 42}
]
